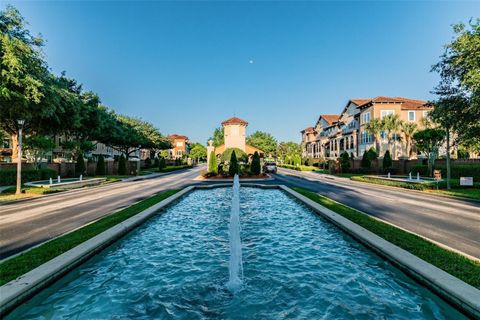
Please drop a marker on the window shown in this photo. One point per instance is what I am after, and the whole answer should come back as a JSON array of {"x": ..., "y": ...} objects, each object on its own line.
[
  {"x": 384, "y": 113},
  {"x": 366, "y": 138},
  {"x": 411, "y": 116},
  {"x": 366, "y": 117},
  {"x": 179, "y": 144}
]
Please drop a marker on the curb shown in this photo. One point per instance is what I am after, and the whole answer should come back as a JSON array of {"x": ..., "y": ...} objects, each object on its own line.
[
  {"x": 462, "y": 295},
  {"x": 380, "y": 186},
  {"x": 25, "y": 286}
]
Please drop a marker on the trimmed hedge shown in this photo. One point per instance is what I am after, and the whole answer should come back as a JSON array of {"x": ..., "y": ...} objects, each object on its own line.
[
  {"x": 174, "y": 168},
  {"x": 298, "y": 168},
  {"x": 457, "y": 170},
  {"x": 9, "y": 177}
]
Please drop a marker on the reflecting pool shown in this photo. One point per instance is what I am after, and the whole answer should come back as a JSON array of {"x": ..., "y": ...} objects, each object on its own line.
[{"x": 295, "y": 266}]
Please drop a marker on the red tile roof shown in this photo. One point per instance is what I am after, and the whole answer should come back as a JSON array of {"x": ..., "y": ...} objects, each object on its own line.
[
  {"x": 406, "y": 103},
  {"x": 177, "y": 136},
  {"x": 330, "y": 118},
  {"x": 308, "y": 130},
  {"x": 359, "y": 102},
  {"x": 234, "y": 120}
]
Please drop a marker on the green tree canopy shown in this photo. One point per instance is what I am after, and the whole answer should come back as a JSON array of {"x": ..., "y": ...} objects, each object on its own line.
[
  {"x": 218, "y": 137},
  {"x": 458, "y": 103},
  {"x": 428, "y": 141},
  {"x": 289, "y": 150},
  {"x": 198, "y": 151},
  {"x": 263, "y": 141}
]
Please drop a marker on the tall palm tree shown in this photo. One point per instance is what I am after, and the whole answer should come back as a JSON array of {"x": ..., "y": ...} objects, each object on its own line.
[
  {"x": 391, "y": 125},
  {"x": 374, "y": 127},
  {"x": 408, "y": 128}
]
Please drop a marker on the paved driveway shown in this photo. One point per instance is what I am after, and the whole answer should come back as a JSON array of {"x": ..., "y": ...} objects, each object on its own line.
[{"x": 25, "y": 224}]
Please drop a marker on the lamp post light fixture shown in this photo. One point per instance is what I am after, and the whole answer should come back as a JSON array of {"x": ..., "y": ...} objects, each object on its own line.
[{"x": 20, "y": 122}]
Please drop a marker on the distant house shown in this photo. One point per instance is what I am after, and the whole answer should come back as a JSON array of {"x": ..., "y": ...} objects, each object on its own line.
[
  {"x": 234, "y": 133},
  {"x": 335, "y": 134},
  {"x": 179, "y": 146}
]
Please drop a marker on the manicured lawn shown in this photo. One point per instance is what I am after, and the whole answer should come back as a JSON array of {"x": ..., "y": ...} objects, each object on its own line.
[
  {"x": 457, "y": 190},
  {"x": 348, "y": 175},
  {"x": 28, "y": 192},
  {"x": 453, "y": 263},
  {"x": 15, "y": 267},
  {"x": 466, "y": 193}
]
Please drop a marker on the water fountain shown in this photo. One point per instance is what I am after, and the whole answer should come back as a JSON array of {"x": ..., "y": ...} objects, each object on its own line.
[
  {"x": 235, "y": 264},
  {"x": 410, "y": 176},
  {"x": 418, "y": 176}
]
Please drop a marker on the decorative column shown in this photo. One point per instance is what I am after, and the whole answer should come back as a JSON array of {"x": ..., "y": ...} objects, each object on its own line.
[{"x": 210, "y": 148}]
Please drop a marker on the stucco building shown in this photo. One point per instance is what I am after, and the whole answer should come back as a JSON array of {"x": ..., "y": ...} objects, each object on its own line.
[
  {"x": 179, "y": 146},
  {"x": 335, "y": 134}
]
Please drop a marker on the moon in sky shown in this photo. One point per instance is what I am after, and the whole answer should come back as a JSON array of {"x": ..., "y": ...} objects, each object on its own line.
[{"x": 250, "y": 61}]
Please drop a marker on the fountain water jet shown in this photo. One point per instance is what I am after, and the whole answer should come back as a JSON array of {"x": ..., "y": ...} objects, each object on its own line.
[{"x": 235, "y": 264}]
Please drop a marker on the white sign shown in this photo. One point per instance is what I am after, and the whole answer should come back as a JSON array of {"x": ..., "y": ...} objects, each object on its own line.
[{"x": 466, "y": 181}]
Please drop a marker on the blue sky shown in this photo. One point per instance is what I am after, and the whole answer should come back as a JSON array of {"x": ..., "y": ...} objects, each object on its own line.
[{"x": 185, "y": 66}]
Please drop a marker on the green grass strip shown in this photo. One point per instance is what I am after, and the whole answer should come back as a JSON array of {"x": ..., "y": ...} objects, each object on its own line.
[
  {"x": 451, "y": 262},
  {"x": 15, "y": 267}
]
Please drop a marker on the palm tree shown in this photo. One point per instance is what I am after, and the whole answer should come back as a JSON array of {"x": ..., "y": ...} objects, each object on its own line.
[
  {"x": 408, "y": 128},
  {"x": 391, "y": 125},
  {"x": 374, "y": 127}
]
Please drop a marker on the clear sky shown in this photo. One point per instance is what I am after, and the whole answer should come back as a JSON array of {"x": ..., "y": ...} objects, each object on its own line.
[{"x": 186, "y": 66}]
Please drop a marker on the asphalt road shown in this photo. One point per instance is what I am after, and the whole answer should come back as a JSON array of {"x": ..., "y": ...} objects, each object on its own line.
[
  {"x": 451, "y": 222},
  {"x": 454, "y": 223},
  {"x": 26, "y": 224}
]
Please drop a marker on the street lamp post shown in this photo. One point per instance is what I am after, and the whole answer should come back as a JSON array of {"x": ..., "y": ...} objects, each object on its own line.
[
  {"x": 139, "y": 158},
  {"x": 21, "y": 122}
]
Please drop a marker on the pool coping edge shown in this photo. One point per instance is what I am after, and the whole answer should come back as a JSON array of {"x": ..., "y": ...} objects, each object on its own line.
[{"x": 462, "y": 295}]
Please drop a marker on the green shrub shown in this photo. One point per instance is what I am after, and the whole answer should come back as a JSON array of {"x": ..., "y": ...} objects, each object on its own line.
[
  {"x": 387, "y": 161},
  {"x": 161, "y": 163},
  {"x": 457, "y": 170},
  {"x": 233, "y": 164},
  {"x": 366, "y": 162},
  {"x": 372, "y": 154},
  {"x": 100, "y": 170},
  {"x": 122, "y": 166},
  {"x": 175, "y": 168},
  {"x": 239, "y": 154},
  {"x": 156, "y": 163},
  {"x": 148, "y": 163},
  {"x": 212, "y": 164},
  {"x": 255, "y": 168},
  {"x": 9, "y": 177},
  {"x": 80, "y": 166},
  {"x": 345, "y": 161}
]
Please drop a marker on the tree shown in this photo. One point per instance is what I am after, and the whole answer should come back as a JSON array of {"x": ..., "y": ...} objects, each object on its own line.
[
  {"x": 287, "y": 150},
  {"x": 233, "y": 165},
  {"x": 345, "y": 161},
  {"x": 459, "y": 88},
  {"x": 198, "y": 151},
  {"x": 80, "y": 165},
  {"x": 372, "y": 154},
  {"x": 387, "y": 160},
  {"x": 255, "y": 167},
  {"x": 391, "y": 125},
  {"x": 100, "y": 170},
  {"x": 218, "y": 137},
  {"x": 263, "y": 141},
  {"x": 375, "y": 127},
  {"x": 122, "y": 165},
  {"x": 26, "y": 84},
  {"x": 408, "y": 129},
  {"x": 36, "y": 148},
  {"x": 428, "y": 141},
  {"x": 212, "y": 164},
  {"x": 366, "y": 162}
]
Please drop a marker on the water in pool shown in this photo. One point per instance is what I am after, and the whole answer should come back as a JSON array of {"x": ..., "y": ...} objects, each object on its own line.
[{"x": 295, "y": 266}]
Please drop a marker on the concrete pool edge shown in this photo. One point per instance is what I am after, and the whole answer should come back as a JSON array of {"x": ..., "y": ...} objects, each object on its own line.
[
  {"x": 460, "y": 294},
  {"x": 24, "y": 287},
  {"x": 463, "y": 296}
]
